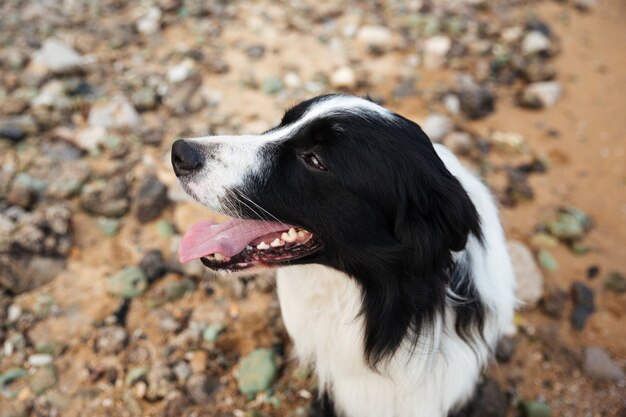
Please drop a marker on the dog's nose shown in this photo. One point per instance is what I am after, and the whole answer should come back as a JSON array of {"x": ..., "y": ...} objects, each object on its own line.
[{"x": 186, "y": 158}]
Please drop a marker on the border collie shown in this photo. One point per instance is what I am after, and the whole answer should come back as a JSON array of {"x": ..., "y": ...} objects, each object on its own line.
[{"x": 394, "y": 279}]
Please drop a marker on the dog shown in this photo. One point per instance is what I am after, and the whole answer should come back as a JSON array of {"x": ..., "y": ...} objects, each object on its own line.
[{"x": 393, "y": 274}]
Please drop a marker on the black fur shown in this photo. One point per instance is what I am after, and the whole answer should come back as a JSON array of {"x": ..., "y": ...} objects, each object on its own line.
[{"x": 388, "y": 212}]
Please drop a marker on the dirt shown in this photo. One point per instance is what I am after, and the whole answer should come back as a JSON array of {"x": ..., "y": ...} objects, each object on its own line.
[{"x": 582, "y": 137}]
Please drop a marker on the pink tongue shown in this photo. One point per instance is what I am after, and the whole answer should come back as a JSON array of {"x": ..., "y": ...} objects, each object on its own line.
[{"x": 228, "y": 238}]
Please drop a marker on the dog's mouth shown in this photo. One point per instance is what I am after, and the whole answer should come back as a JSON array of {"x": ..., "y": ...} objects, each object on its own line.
[{"x": 240, "y": 244}]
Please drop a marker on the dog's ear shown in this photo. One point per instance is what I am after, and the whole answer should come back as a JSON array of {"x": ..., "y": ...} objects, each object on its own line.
[{"x": 436, "y": 215}]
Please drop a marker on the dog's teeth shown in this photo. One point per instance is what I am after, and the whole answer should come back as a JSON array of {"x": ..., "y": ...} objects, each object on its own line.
[
  {"x": 302, "y": 234},
  {"x": 249, "y": 247},
  {"x": 276, "y": 243},
  {"x": 219, "y": 257},
  {"x": 210, "y": 257},
  {"x": 293, "y": 234},
  {"x": 262, "y": 246},
  {"x": 285, "y": 236}
]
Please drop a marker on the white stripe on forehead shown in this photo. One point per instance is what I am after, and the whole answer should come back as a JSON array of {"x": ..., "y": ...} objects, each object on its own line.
[{"x": 327, "y": 106}]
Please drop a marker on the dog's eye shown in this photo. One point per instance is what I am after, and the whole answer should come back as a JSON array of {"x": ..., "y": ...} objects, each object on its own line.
[{"x": 313, "y": 161}]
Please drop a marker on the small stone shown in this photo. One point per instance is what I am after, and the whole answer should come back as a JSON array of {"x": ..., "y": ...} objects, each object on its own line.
[
  {"x": 510, "y": 141},
  {"x": 571, "y": 224},
  {"x": 489, "y": 401},
  {"x": 153, "y": 265},
  {"x": 56, "y": 56},
  {"x": 378, "y": 39},
  {"x": 535, "y": 42},
  {"x": 452, "y": 103},
  {"x": 256, "y": 372},
  {"x": 12, "y": 133},
  {"x": 135, "y": 375},
  {"x": 212, "y": 331},
  {"x": 40, "y": 359},
  {"x": 535, "y": 409},
  {"x": 517, "y": 190},
  {"x": 10, "y": 376},
  {"x": 109, "y": 227},
  {"x": 476, "y": 100},
  {"x": 26, "y": 273},
  {"x": 553, "y": 303},
  {"x": 151, "y": 199},
  {"x": 540, "y": 95},
  {"x": 292, "y": 80},
  {"x": 174, "y": 290},
  {"x": 200, "y": 388},
  {"x": 109, "y": 199},
  {"x": 165, "y": 228},
  {"x": 343, "y": 78},
  {"x": 543, "y": 241},
  {"x": 506, "y": 349},
  {"x": 599, "y": 365},
  {"x": 528, "y": 274},
  {"x": 255, "y": 51},
  {"x": 175, "y": 403},
  {"x": 585, "y": 5},
  {"x": 435, "y": 51},
  {"x": 116, "y": 113},
  {"x": 128, "y": 283},
  {"x": 43, "y": 379},
  {"x": 272, "y": 85},
  {"x": 90, "y": 139},
  {"x": 547, "y": 261},
  {"x": 460, "y": 142},
  {"x": 150, "y": 23},
  {"x": 615, "y": 282},
  {"x": 182, "y": 71},
  {"x": 16, "y": 128},
  {"x": 111, "y": 339},
  {"x": 145, "y": 99},
  {"x": 584, "y": 305},
  {"x": 159, "y": 383},
  {"x": 437, "y": 126},
  {"x": 182, "y": 370}
]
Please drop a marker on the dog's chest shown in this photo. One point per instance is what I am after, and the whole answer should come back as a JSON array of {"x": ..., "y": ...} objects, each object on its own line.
[{"x": 320, "y": 308}]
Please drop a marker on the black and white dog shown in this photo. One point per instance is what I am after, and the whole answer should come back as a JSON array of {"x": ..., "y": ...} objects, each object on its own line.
[{"x": 394, "y": 276}]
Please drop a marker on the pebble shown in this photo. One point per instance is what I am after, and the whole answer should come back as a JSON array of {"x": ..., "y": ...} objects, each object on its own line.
[
  {"x": 615, "y": 282},
  {"x": 489, "y": 401},
  {"x": 571, "y": 224},
  {"x": 111, "y": 339},
  {"x": 182, "y": 71},
  {"x": 553, "y": 303},
  {"x": 476, "y": 100},
  {"x": 541, "y": 95},
  {"x": 165, "y": 228},
  {"x": 174, "y": 290},
  {"x": 182, "y": 370},
  {"x": 528, "y": 275},
  {"x": 437, "y": 126},
  {"x": 585, "y": 5},
  {"x": 39, "y": 359},
  {"x": 43, "y": 379},
  {"x": 175, "y": 403},
  {"x": 506, "y": 349},
  {"x": 535, "y": 42},
  {"x": 150, "y": 23},
  {"x": 151, "y": 199},
  {"x": 57, "y": 56},
  {"x": 135, "y": 375},
  {"x": 598, "y": 365},
  {"x": 153, "y": 265},
  {"x": 212, "y": 331},
  {"x": 116, "y": 113},
  {"x": 584, "y": 305},
  {"x": 200, "y": 388},
  {"x": 109, "y": 199},
  {"x": 377, "y": 38},
  {"x": 343, "y": 78},
  {"x": 28, "y": 272},
  {"x": 435, "y": 51},
  {"x": 452, "y": 103},
  {"x": 90, "y": 139},
  {"x": 160, "y": 383},
  {"x": 272, "y": 85},
  {"x": 108, "y": 227},
  {"x": 535, "y": 409},
  {"x": 127, "y": 283},
  {"x": 256, "y": 372},
  {"x": 547, "y": 261}
]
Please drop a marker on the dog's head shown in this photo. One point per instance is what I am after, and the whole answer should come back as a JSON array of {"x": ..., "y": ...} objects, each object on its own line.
[{"x": 342, "y": 182}]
